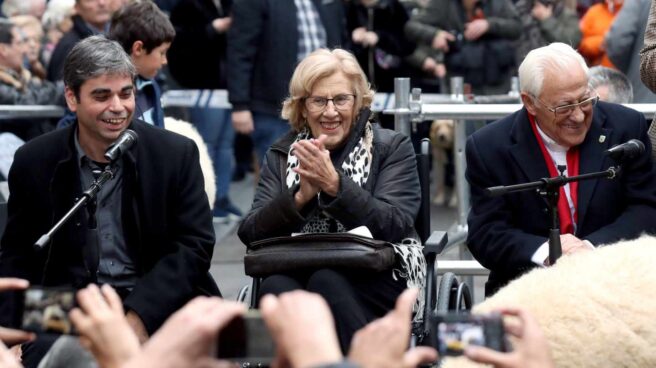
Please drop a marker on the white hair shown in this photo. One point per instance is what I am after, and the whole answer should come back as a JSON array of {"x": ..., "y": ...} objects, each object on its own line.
[
  {"x": 18, "y": 7},
  {"x": 56, "y": 12},
  {"x": 557, "y": 55}
]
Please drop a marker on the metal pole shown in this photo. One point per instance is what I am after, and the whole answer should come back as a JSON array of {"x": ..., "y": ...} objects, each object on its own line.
[{"x": 402, "y": 101}]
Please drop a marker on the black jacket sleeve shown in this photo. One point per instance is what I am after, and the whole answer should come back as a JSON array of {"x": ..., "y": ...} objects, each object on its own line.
[
  {"x": 273, "y": 212},
  {"x": 390, "y": 209},
  {"x": 243, "y": 36},
  {"x": 172, "y": 279}
]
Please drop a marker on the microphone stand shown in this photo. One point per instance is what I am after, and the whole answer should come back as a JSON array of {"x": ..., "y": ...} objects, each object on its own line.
[
  {"x": 88, "y": 197},
  {"x": 550, "y": 189}
]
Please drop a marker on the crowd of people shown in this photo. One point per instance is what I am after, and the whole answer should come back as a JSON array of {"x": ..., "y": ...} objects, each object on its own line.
[{"x": 301, "y": 87}]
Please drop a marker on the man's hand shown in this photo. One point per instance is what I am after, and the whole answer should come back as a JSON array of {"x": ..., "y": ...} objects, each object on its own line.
[
  {"x": 7, "y": 335},
  {"x": 242, "y": 121},
  {"x": 571, "y": 244},
  {"x": 434, "y": 68},
  {"x": 383, "y": 342},
  {"x": 103, "y": 327},
  {"x": 316, "y": 166},
  {"x": 531, "y": 349},
  {"x": 302, "y": 327},
  {"x": 189, "y": 336},
  {"x": 541, "y": 11},
  {"x": 221, "y": 25},
  {"x": 475, "y": 29},
  {"x": 441, "y": 40},
  {"x": 358, "y": 35}
]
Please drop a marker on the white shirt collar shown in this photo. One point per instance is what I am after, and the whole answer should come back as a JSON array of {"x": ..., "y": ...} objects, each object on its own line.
[{"x": 549, "y": 143}]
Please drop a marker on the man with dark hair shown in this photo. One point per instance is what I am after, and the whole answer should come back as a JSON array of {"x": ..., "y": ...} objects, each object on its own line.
[
  {"x": 153, "y": 236},
  {"x": 145, "y": 33},
  {"x": 19, "y": 87},
  {"x": 92, "y": 17}
]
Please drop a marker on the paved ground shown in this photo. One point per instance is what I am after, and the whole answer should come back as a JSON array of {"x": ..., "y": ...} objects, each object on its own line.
[{"x": 227, "y": 262}]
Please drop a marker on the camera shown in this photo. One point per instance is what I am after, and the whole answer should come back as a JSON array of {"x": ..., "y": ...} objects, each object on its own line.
[
  {"x": 459, "y": 41},
  {"x": 246, "y": 339},
  {"x": 456, "y": 331},
  {"x": 45, "y": 310}
]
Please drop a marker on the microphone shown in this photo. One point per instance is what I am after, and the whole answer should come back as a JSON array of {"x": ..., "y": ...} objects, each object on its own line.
[
  {"x": 126, "y": 140},
  {"x": 630, "y": 149}
]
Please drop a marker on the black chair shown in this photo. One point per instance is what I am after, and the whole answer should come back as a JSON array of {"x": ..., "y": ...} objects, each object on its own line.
[{"x": 449, "y": 294}]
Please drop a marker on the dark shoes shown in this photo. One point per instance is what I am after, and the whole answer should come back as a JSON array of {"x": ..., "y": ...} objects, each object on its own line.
[{"x": 224, "y": 211}]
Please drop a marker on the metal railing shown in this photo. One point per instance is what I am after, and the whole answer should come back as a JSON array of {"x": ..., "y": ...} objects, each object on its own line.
[{"x": 30, "y": 111}]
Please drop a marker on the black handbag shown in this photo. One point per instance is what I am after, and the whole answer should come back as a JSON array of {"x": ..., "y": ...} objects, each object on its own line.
[{"x": 317, "y": 250}]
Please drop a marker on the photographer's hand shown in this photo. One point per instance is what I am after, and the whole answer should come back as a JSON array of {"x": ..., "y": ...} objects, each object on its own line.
[
  {"x": 188, "y": 337},
  {"x": 103, "y": 327},
  {"x": 7, "y": 335},
  {"x": 531, "y": 349},
  {"x": 7, "y": 359},
  {"x": 383, "y": 342},
  {"x": 302, "y": 326}
]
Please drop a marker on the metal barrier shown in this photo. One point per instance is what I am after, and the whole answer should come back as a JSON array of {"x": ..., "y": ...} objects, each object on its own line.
[{"x": 30, "y": 111}]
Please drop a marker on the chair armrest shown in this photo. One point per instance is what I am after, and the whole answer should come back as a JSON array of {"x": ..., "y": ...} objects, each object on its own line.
[{"x": 435, "y": 243}]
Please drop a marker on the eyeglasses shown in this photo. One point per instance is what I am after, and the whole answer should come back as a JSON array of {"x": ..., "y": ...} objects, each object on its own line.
[
  {"x": 319, "y": 103},
  {"x": 566, "y": 110}
]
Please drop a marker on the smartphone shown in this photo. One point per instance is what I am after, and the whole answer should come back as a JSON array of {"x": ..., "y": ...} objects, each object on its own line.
[
  {"x": 45, "y": 310},
  {"x": 456, "y": 331},
  {"x": 246, "y": 339}
]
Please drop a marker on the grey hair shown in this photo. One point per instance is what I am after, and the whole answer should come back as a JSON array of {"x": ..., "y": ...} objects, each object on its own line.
[
  {"x": 56, "y": 12},
  {"x": 17, "y": 7},
  {"x": 95, "y": 56},
  {"x": 619, "y": 86},
  {"x": 557, "y": 55}
]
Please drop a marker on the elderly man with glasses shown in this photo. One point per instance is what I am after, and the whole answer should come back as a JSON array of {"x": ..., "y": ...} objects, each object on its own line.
[{"x": 562, "y": 128}]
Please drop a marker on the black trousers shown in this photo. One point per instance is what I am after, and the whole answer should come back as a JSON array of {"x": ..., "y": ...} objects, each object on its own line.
[{"x": 355, "y": 297}]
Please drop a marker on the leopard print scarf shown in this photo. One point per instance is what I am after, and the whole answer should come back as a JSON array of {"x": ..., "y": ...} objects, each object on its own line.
[{"x": 357, "y": 166}]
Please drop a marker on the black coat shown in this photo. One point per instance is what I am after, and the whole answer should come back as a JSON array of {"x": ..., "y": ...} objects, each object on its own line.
[
  {"x": 388, "y": 18},
  {"x": 79, "y": 32},
  {"x": 166, "y": 220},
  {"x": 505, "y": 232},
  {"x": 192, "y": 20},
  {"x": 263, "y": 47},
  {"x": 387, "y": 204}
]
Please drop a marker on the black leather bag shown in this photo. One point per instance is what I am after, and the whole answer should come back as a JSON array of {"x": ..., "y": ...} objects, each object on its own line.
[{"x": 317, "y": 250}]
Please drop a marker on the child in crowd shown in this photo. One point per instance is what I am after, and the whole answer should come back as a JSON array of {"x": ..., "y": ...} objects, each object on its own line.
[{"x": 145, "y": 33}]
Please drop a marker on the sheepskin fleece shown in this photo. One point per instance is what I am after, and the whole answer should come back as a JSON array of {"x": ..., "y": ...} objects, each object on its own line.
[
  {"x": 597, "y": 309},
  {"x": 186, "y": 129}
]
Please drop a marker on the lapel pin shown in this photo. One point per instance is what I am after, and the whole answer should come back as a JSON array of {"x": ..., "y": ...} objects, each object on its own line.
[{"x": 602, "y": 138}]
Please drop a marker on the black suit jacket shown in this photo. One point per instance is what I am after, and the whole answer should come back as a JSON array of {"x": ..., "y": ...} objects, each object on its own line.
[
  {"x": 263, "y": 46},
  {"x": 166, "y": 219},
  {"x": 504, "y": 232}
]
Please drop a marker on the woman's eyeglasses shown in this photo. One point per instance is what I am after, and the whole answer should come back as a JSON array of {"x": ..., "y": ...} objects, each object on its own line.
[{"x": 319, "y": 103}]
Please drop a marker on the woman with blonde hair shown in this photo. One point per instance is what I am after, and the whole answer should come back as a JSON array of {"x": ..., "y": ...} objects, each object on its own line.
[{"x": 337, "y": 170}]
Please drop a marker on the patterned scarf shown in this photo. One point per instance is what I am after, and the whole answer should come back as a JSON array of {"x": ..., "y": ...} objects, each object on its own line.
[{"x": 357, "y": 166}]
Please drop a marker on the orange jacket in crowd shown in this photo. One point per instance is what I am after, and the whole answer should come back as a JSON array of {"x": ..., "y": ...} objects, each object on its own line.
[{"x": 594, "y": 25}]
